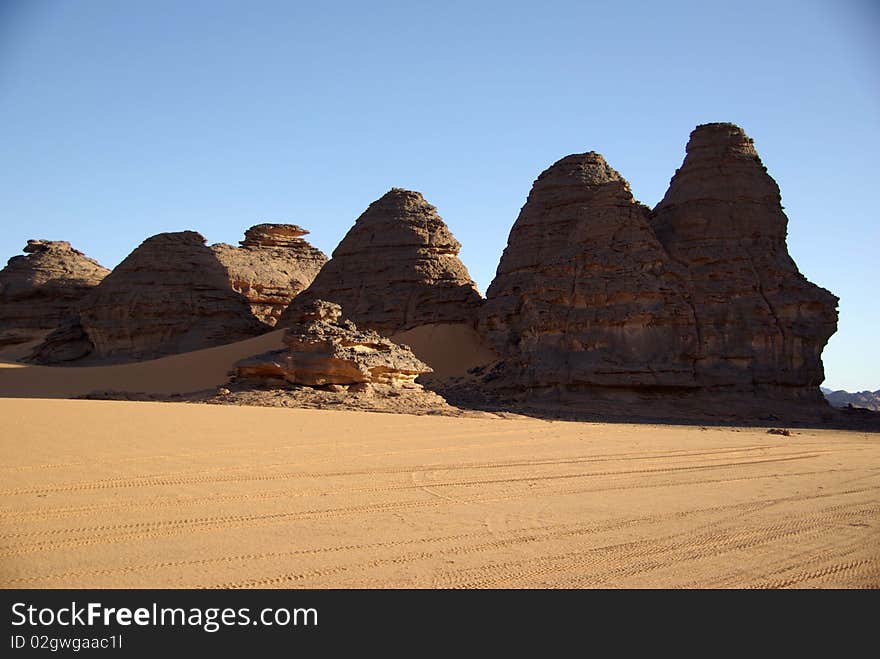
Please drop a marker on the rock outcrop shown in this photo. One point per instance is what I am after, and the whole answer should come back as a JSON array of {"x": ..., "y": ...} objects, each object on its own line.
[
  {"x": 39, "y": 290},
  {"x": 397, "y": 268},
  {"x": 170, "y": 295},
  {"x": 584, "y": 294},
  {"x": 762, "y": 325},
  {"x": 324, "y": 351},
  {"x": 271, "y": 267},
  {"x": 593, "y": 290}
]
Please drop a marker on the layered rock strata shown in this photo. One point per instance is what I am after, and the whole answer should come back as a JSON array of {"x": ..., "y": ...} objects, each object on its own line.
[
  {"x": 397, "y": 268},
  {"x": 595, "y": 290},
  {"x": 170, "y": 295},
  {"x": 324, "y": 351},
  {"x": 762, "y": 324},
  {"x": 271, "y": 267},
  {"x": 39, "y": 290},
  {"x": 585, "y": 294}
]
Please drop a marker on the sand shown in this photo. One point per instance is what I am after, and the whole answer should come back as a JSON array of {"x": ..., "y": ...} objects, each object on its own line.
[
  {"x": 449, "y": 348},
  {"x": 186, "y": 373},
  {"x": 113, "y": 494}
]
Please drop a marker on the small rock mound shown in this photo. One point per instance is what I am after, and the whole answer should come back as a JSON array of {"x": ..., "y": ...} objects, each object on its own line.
[
  {"x": 40, "y": 290},
  {"x": 271, "y": 267},
  {"x": 397, "y": 268},
  {"x": 323, "y": 351}
]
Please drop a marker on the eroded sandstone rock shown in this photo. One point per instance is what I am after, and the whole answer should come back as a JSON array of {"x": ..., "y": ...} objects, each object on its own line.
[
  {"x": 271, "y": 267},
  {"x": 39, "y": 290},
  {"x": 593, "y": 290},
  {"x": 584, "y": 294},
  {"x": 761, "y": 323},
  {"x": 170, "y": 295},
  {"x": 397, "y": 268},
  {"x": 323, "y": 350}
]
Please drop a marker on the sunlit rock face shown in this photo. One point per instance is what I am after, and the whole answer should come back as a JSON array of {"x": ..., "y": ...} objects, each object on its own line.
[
  {"x": 271, "y": 267},
  {"x": 397, "y": 268}
]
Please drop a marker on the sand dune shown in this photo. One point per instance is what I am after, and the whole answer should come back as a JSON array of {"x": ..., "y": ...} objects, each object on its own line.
[
  {"x": 122, "y": 494},
  {"x": 192, "y": 371},
  {"x": 449, "y": 348}
]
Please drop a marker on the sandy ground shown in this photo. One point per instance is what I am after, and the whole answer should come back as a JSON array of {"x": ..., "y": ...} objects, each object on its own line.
[
  {"x": 192, "y": 371},
  {"x": 450, "y": 349},
  {"x": 126, "y": 494}
]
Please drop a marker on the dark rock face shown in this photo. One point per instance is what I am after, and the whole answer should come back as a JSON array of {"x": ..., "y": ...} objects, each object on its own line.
[
  {"x": 761, "y": 323},
  {"x": 594, "y": 290},
  {"x": 324, "y": 351},
  {"x": 272, "y": 266},
  {"x": 585, "y": 295},
  {"x": 39, "y": 290},
  {"x": 397, "y": 268},
  {"x": 170, "y": 295}
]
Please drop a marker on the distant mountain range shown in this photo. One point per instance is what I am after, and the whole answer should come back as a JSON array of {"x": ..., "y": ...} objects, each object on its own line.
[{"x": 870, "y": 400}]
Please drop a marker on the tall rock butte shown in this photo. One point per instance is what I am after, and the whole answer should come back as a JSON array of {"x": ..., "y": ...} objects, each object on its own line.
[
  {"x": 594, "y": 290},
  {"x": 762, "y": 324},
  {"x": 396, "y": 268},
  {"x": 585, "y": 294},
  {"x": 39, "y": 290},
  {"x": 170, "y": 295},
  {"x": 271, "y": 267}
]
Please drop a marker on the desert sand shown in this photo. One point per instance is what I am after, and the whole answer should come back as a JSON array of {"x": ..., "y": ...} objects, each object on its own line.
[
  {"x": 184, "y": 373},
  {"x": 146, "y": 494}
]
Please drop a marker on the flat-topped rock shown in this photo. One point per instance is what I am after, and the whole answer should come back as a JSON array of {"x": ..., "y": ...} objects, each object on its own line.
[
  {"x": 271, "y": 267},
  {"x": 39, "y": 290},
  {"x": 322, "y": 350}
]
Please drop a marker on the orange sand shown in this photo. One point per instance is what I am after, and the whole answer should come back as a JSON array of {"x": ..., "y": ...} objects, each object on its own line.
[
  {"x": 193, "y": 371},
  {"x": 123, "y": 494}
]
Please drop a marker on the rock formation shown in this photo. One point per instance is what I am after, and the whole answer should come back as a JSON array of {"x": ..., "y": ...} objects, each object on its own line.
[
  {"x": 397, "y": 268},
  {"x": 324, "y": 351},
  {"x": 271, "y": 267},
  {"x": 39, "y": 290},
  {"x": 762, "y": 325},
  {"x": 170, "y": 295},
  {"x": 593, "y": 290},
  {"x": 584, "y": 294}
]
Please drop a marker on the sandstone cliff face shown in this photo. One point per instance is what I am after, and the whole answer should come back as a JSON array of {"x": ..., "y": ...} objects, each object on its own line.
[
  {"x": 170, "y": 295},
  {"x": 593, "y": 290},
  {"x": 761, "y": 324},
  {"x": 272, "y": 266},
  {"x": 585, "y": 294},
  {"x": 41, "y": 289},
  {"x": 322, "y": 351},
  {"x": 397, "y": 268}
]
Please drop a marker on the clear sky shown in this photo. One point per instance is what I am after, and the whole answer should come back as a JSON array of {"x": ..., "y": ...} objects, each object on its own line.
[{"x": 124, "y": 119}]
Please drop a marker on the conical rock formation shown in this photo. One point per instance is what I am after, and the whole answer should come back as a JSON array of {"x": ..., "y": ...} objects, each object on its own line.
[
  {"x": 397, "y": 268},
  {"x": 762, "y": 324},
  {"x": 584, "y": 294},
  {"x": 170, "y": 295}
]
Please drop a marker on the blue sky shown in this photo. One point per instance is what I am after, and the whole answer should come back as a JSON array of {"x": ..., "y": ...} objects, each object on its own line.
[{"x": 124, "y": 119}]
